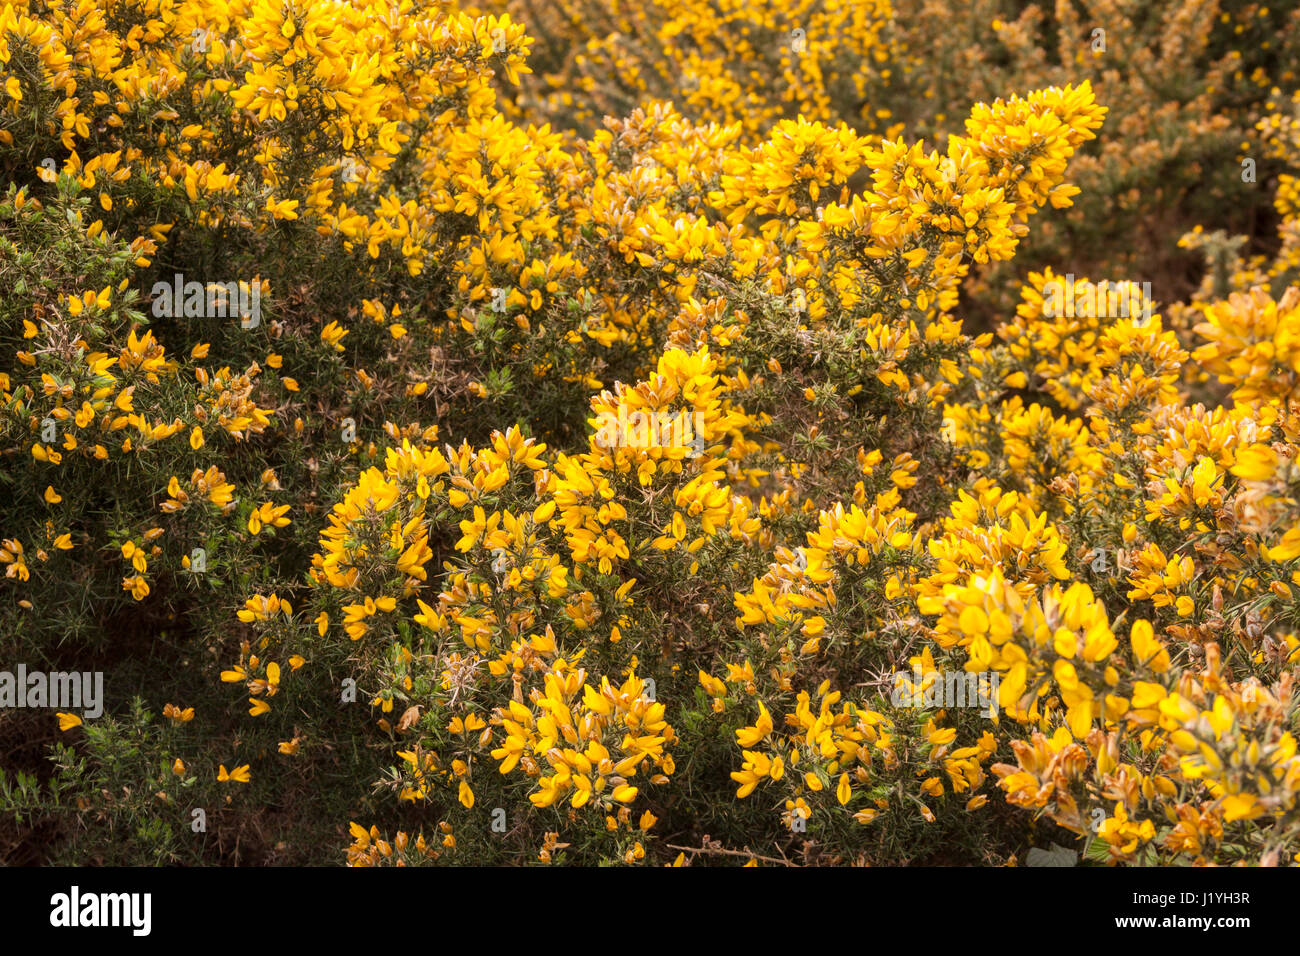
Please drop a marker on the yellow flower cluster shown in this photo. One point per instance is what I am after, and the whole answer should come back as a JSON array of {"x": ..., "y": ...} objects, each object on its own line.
[
  {"x": 740, "y": 389},
  {"x": 595, "y": 774}
]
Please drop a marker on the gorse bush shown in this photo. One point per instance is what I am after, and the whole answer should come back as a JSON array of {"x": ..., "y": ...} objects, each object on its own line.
[
  {"x": 705, "y": 449},
  {"x": 1184, "y": 83}
]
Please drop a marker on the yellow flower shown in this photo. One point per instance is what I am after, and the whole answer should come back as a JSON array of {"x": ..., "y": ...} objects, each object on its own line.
[
  {"x": 177, "y": 715},
  {"x": 238, "y": 775},
  {"x": 332, "y": 335},
  {"x": 843, "y": 791},
  {"x": 1146, "y": 648},
  {"x": 750, "y": 736}
]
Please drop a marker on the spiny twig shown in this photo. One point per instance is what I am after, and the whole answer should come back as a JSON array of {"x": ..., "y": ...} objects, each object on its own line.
[{"x": 719, "y": 852}]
